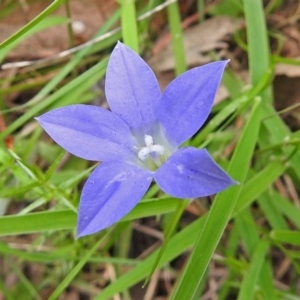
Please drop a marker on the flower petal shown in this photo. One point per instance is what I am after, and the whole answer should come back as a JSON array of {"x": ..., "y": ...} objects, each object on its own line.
[
  {"x": 188, "y": 99},
  {"x": 89, "y": 132},
  {"x": 191, "y": 173},
  {"x": 112, "y": 191},
  {"x": 131, "y": 88}
]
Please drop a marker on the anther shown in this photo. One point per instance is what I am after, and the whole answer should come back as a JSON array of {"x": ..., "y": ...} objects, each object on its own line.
[{"x": 150, "y": 148}]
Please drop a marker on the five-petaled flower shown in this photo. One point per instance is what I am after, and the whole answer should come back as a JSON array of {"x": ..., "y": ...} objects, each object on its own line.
[{"x": 139, "y": 139}]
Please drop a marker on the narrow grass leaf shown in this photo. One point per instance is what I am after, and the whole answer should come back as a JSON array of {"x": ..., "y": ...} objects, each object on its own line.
[
  {"x": 177, "y": 37},
  {"x": 169, "y": 232},
  {"x": 247, "y": 230},
  {"x": 287, "y": 208},
  {"x": 66, "y": 219},
  {"x": 220, "y": 211},
  {"x": 257, "y": 37},
  {"x": 71, "y": 275},
  {"x": 129, "y": 24},
  {"x": 247, "y": 290},
  {"x": 46, "y": 23},
  {"x": 85, "y": 80},
  {"x": 273, "y": 215},
  {"x": 32, "y": 23},
  {"x": 286, "y": 236},
  {"x": 186, "y": 238}
]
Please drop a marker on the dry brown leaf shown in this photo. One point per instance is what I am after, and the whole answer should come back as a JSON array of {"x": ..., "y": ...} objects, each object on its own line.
[
  {"x": 199, "y": 40},
  {"x": 87, "y": 17},
  {"x": 288, "y": 69}
]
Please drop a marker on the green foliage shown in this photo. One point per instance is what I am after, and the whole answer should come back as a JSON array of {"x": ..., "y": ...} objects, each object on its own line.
[{"x": 242, "y": 229}]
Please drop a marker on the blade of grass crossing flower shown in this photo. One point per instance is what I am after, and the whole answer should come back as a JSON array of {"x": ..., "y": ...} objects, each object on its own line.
[
  {"x": 32, "y": 23},
  {"x": 251, "y": 277},
  {"x": 186, "y": 238},
  {"x": 129, "y": 24},
  {"x": 177, "y": 39},
  {"x": 71, "y": 275},
  {"x": 169, "y": 232},
  {"x": 66, "y": 219},
  {"x": 220, "y": 211}
]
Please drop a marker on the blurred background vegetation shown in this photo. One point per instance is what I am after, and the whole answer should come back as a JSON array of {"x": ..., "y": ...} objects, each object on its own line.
[{"x": 242, "y": 244}]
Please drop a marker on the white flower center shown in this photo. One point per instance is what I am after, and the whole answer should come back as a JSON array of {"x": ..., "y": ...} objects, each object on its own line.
[{"x": 150, "y": 148}]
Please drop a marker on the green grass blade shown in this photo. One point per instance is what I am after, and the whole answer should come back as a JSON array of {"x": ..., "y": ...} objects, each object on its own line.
[
  {"x": 258, "y": 183},
  {"x": 186, "y": 238},
  {"x": 251, "y": 277},
  {"x": 169, "y": 232},
  {"x": 46, "y": 23},
  {"x": 258, "y": 44},
  {"x": 286, "y": 208},
  {"x": 286, "y": 236},
  {"x": 32, "y": 23},
  {"x": 220, "y": 211},
  {"x": 129, "y": 24},
  {"x": 247, "y": 230},
  {"x": 273, "y": 215},
  {"x": 85, "y": 80},
  {"x": 66, "y": 281},
  {"x": 66, "y": 219},
  {"x": 266, "y": 281},
  {"x": 177, "y": 39}
]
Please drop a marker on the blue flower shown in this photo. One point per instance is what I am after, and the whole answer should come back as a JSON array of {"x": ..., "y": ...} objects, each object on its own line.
[{"x": 139, "y": 139}]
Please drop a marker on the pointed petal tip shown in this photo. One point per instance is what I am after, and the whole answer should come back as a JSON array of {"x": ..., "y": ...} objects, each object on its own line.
[
  {"x": 191, "y": 173},
  {"x": 234, "y": 182},
  {"x": 111, "y": 192}
]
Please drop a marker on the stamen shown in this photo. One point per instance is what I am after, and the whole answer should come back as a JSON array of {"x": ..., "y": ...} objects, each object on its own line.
[
  {"x": 160, "y": 150},
  {"x": 144, "y": 153},
  {"x": 148, "y": 140},
  {"x": 150, "y": 148}
]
